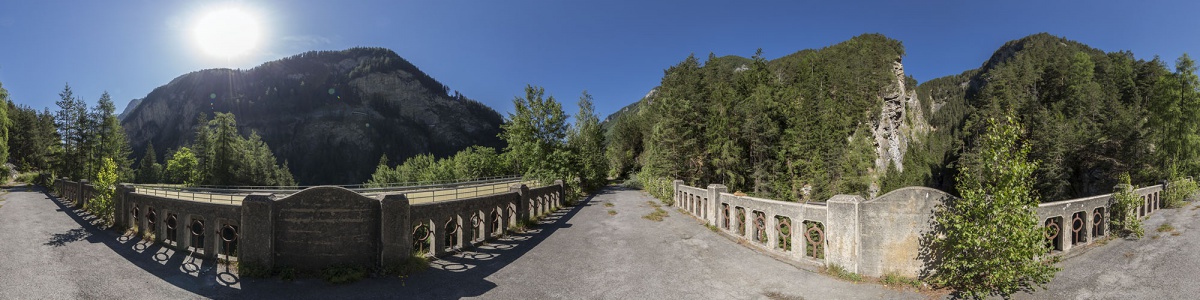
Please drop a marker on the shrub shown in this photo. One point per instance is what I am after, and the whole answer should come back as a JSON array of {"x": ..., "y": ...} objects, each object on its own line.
[
  {"x": 1124, "y": 210},
  {"x": 102, "y": 203},
  {"x": 1178, "y": 191},
  {"x": 989, "y": 241},
  {"x": 30, "y": 178}
]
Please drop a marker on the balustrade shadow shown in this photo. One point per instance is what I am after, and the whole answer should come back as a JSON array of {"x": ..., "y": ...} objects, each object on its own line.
[
  {"x": 462, "y": 274},
  {"x": 201, "y": 276}
]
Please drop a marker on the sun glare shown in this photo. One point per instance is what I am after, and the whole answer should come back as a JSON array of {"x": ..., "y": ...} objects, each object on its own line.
[{"x": 227, "y": 32}]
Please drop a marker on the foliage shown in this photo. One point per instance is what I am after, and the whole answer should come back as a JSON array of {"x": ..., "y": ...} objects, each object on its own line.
[
  {"x": 102, "y": 203},
  {"x": 183, "y": 168},
  {"x": 5, "y": 123},
  {"x": 224, "y": 157},
  {"x": 660, "y": 188},
  {"x": 1178, "y": 191},
  {"x": 27, "y": 177},
  {"x": 586, "y": 140},
  {"x": 779, "y": 128},
  {"x": 991, "y": 242},
  {"x": 1090, "y": 116},
  {"x": 33, "y": 140},
  {"x": 471, "y": 163},
  {"x": 149, "y": 171},
  {"x": 1175, "y": 122},
  {"x": 1124, "y": 209}
]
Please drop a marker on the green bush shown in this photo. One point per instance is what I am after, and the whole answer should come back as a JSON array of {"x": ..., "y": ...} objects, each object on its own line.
[
  {"x": 5, "y": 174},
  {"x": 27, "y": 178},
  {"x": 660, "y": 188},
  {"x": 1178, "y": 191},
  {"x": 1124, "y": 210}
]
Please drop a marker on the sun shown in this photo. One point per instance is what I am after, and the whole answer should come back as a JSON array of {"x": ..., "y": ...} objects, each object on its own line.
[{"x": 227, "y": 32}]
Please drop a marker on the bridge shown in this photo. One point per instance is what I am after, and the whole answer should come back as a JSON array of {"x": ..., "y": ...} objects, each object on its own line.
[{"x": 590, "y": 250}]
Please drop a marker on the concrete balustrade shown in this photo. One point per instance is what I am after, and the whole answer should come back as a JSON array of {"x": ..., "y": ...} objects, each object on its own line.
[
  {"x": 321, "y": 227},
  {"x": 881, "y": 235}
]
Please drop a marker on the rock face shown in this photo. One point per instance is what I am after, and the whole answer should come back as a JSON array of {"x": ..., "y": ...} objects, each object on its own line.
[
  {"x": 900, "y": 121},
  {"x": 329, "y": 114},
  {"x": 128, "y": 108}
]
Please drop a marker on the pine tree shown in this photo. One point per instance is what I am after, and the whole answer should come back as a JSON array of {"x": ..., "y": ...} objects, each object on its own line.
[
  {"x": 5, "y": 123},
  {"x": 147, "y": 172}
]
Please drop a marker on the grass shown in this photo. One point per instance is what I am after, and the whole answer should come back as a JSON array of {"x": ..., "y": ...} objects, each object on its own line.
[
  {"x": 343, "y": 274},
  {"x": 653, "y": 204},
  {"x": 839, "y": 272},
  {"x": 711, "y": 227},
  {"x": 657, "y": 215},
  {"x": 1176, "y": 233},
  {"x": 1166, "y": 227},
  {"x": 253, "y": 270},
  {"x": 894, "y": 279},
  {"x": 612, "y": 212},
  {"x": 608, "y": 204},
  {"x": 416, "y": 263}
]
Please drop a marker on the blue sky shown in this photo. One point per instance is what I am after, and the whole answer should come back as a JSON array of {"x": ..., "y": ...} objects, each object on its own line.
[{"x": 489, "y": 50}]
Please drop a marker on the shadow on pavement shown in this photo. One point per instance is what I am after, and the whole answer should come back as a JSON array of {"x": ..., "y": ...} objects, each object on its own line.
[
  {"x": 200, "y": 276},
  {"x": 462, "y": 274}
]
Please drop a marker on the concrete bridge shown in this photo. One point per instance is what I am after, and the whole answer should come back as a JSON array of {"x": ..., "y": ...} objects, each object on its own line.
[{"x": 601, "y": 248}]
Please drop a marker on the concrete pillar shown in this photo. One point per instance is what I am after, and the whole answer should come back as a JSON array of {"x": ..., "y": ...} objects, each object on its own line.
[
  {"x": 396, "y": 237},
  {"x": 80, "y": 201},
  {"x": 489, "y": 226},
  {"x": 522, "y": 201},
  {"x": 466, "y": 238},
  {"x": 675, "y": 191},
  {"x": 212, "y": 236},
  {"x": 438, "y": 245},
  {"x": 714, "y": 203},
  {"x": 772, "y": 241},
  {"x": 256, "y": 246},
  {"x": 1064, "y": 236},
  {"x": 841, "y": 232}
]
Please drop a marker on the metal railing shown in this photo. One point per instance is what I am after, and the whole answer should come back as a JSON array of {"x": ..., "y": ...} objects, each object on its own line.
[{"x": 428, "y": 192}]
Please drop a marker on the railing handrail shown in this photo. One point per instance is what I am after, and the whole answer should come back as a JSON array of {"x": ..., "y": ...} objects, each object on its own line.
[{"x": 458, "y": 189}]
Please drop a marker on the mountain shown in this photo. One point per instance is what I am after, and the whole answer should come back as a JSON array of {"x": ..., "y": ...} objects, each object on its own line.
[
  {"x": 803, "y": 126},
  {"x": 1084, "y": 110},
  {"x": 329, "y": 114},
  {"x": 128, "y": 108}
]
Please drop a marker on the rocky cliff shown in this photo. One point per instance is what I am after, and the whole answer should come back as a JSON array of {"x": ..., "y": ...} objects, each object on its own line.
[{"x": 329, "y": 114}]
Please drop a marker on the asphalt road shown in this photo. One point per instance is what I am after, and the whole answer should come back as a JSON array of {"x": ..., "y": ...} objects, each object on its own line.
[
  {"x": 581, "y": 252},
  {"x": 1161, "y": 265}
]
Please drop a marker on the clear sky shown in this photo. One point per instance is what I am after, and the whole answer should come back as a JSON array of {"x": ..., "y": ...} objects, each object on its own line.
[{"x": 489, "y": 50}]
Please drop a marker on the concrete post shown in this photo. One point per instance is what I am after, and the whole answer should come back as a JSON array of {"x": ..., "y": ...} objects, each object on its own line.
[
  {"x": 841, "y": 232},
  {"x": 396, "y": 230},
  {"x": 714, "y": 202},
  {"x": 438, "y": 232},
  {"x": 119, "y": 218},
  {"x": 522, "y": 202},
  {"x": 212, "y": 236},
  {"x": 769, "y": 227},
  {"x": 562, "y": 192},
  {"x": 466, "y": 236},
  {"x": 256, "y": 246},
  {"x": 488, "y": 225},
  {"x": 79, "y": 199},
  {"x": 675, "y": 193}
]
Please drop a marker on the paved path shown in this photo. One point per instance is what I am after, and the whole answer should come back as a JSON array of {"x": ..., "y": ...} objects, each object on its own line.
[
  {"x": 1166, "y": 267},
  {"x": 579, "y": 253}
]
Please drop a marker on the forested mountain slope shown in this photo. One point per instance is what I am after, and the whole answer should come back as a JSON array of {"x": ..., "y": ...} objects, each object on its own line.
[{"x": 803, "y": 126}]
